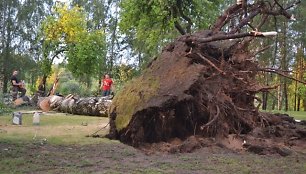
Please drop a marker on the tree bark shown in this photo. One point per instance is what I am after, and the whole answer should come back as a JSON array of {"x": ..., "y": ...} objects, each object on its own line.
[
  {"x": 295, "y": 94},
  {"x": 286, "y": 95},
  {"x": 298, "y": 103},
  {"x": 265, "y": 93},
  {"x": 264, "y": 100},
  {"x": 279, "y": 98},
  {"x": 304, "y": 104},
  {"x": 92, "y": 106}
]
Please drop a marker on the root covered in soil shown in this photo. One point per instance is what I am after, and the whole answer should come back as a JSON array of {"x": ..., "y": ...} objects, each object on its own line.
[{"x": 201, "y": 90}]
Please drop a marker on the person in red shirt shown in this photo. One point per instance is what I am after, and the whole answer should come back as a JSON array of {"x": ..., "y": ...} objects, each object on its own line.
[{"x": 106, "y": 85}]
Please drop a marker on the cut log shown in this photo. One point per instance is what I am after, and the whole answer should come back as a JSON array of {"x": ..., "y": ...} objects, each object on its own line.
[
  {"x": 92, "y": 106},
  {"x": 22, "y": 101},
  {"x": 44, "y": 103}
]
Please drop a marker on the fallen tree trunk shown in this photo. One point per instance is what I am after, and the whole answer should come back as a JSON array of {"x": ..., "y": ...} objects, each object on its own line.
[{"x": 92, "y": 106}]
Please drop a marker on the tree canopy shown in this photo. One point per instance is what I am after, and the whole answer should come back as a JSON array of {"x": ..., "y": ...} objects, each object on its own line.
[
  {"x": 150, "y": 25},
  {"x": 66, "y": 32}
]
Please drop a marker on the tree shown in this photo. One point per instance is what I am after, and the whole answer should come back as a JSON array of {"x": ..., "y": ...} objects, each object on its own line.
[
  {"x": 149, "y": 26},
  {"x": 99, "y": 17},
  {"x": 18, "y": 31},
  {"x": 283, "y": 59},
  {"x": 66, "y": 33}
]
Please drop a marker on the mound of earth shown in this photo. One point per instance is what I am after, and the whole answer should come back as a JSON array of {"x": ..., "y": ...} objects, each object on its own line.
[{"x": 199, "y": 92}]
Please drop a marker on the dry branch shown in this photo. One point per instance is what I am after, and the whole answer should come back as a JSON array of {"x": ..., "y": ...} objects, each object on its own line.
[
  {"x": 253, "y": 10},
  {"x": 233, "y": 36},
  {"x": 211, "y": 64},
  {"x": 281, "y": 74}
]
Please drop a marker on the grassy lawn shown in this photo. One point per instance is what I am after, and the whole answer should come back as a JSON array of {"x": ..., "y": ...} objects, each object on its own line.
[
  {"x": 56, "y": 128},
  {"x": 298, "y": 115},
  {"x": 59, "y": 145}
]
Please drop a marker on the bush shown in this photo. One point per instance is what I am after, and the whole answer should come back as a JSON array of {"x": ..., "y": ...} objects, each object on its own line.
[
  {"x": 70, "y": 87},
  {"x": 86, "y": 92},
  {"x": 4, "y": 109}
]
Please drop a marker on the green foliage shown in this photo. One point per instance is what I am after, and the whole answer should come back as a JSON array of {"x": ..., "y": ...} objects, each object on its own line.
[
  {"x": 302, "y": 90},
  {"x": 19, "y": 21},
  {"x": 66, "y": 33},
  {"x": 76, "y": 88},
  {"x": 70, "y": 87},
  {"x": 150, "y": 25},
  {"x": 4, "y": 109},
  {"x": 84, "y": 55},
  {"x": 122, "y": 74},
  {"x": 66, "y": 24}
]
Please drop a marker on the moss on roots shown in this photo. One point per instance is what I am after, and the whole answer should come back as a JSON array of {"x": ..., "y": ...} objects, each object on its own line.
[{"x": 128, "y": 100}]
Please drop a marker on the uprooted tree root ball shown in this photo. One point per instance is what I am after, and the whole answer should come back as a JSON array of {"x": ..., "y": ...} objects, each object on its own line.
[{"x": 200, "y": 91}]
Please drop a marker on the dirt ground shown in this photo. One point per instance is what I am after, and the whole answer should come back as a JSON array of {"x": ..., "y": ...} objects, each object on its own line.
[
  {"x": 61, "y": 146},
  {"x": 115, "y": 157}
]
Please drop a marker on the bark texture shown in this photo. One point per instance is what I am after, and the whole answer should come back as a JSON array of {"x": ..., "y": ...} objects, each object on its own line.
[{"x": 92, "y": 106}]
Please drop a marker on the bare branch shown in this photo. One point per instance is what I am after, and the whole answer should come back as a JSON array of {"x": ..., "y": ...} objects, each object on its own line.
[
  {"x": 187, "y": 18},
  {"x": 260, "y": 7},
  {"x": 212, "y": 64},
  {"x": 176, "y": 23},
  {"x": 233, "y": 36},
  {"x": 179, "y": 28},
  {"x": 282, "y": 74},
  {"x": 261, "y": 50},
  {"x": 213, "y": 120},
  {"x": 245, "y": 21},
  {"x": 225, "y": 17}
]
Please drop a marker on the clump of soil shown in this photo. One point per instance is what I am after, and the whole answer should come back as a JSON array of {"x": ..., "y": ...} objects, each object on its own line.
[{"x": 202, "y": 94}]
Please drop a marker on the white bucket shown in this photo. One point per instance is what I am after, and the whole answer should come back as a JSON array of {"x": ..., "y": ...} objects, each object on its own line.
[
  {"x": 17, "y": 118},
  {"x": 36, "y": 118}
]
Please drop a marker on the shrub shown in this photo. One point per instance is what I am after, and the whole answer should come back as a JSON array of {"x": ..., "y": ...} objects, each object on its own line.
[
  {"x": 70, "y": 87},
  {"x": 3, "y": 107}
]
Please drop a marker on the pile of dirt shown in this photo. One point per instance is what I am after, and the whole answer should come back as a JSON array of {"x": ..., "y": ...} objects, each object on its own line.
[{"x": 201, "y": 91}]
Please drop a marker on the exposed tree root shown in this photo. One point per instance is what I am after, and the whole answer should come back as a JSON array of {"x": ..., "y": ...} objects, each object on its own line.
[{"x": 201, "y": 90}]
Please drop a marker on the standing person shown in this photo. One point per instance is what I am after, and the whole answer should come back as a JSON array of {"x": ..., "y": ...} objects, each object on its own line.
[
  {"x": 106, "y": 85},
  {"x": 17, "y": 86}
]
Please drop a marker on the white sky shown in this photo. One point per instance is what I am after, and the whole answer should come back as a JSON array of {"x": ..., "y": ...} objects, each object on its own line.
[{"x": 61, "y": 0}]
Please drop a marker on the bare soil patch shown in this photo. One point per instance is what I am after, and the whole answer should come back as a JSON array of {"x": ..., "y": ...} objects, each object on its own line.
[{"x": 114, "y": 157}]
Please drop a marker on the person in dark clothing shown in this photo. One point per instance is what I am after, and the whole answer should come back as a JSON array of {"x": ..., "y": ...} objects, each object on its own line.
[{"x": 17, "y": 85}]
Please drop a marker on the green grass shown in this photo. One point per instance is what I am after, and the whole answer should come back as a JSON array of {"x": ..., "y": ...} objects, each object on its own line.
[
  {"x": 298, "y": 115},
  {"x": 53, "y": 128},
  {"x": 67, "y": 150}
]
